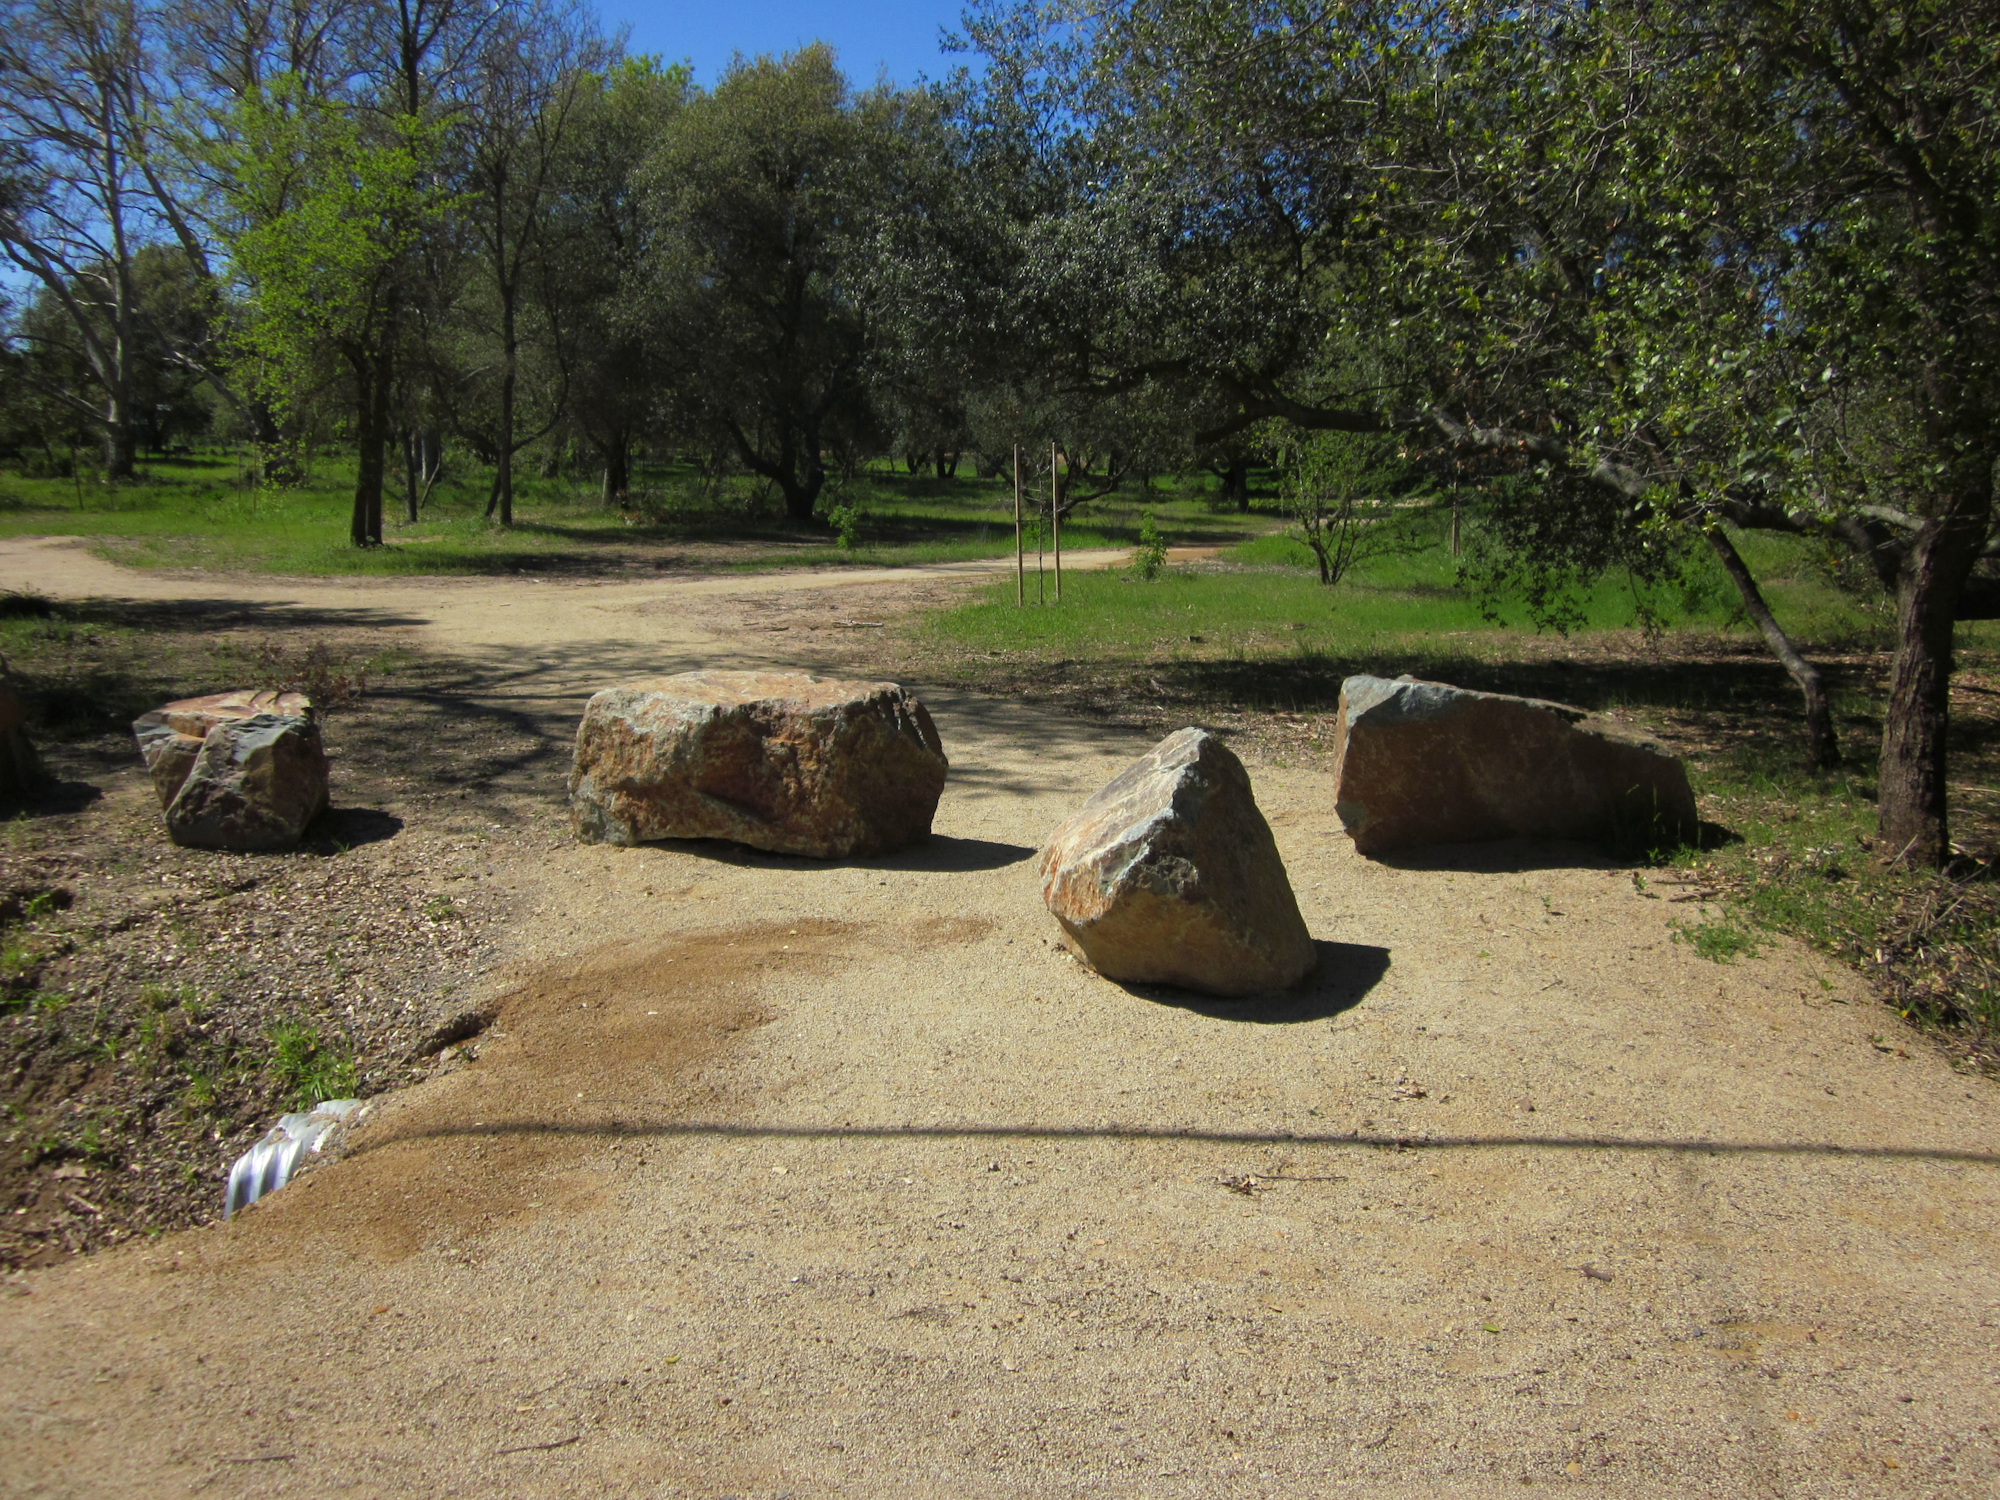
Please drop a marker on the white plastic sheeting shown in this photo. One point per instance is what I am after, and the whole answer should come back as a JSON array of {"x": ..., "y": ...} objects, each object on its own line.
[{"x": 269, "y": 1165}]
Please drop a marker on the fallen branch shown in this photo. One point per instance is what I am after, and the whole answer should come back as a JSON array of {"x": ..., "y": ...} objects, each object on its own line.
[{"x": 574, "y": 1437}]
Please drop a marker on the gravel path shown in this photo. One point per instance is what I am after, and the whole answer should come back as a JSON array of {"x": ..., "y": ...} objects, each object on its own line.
[{"x": 779, "y": 1178}]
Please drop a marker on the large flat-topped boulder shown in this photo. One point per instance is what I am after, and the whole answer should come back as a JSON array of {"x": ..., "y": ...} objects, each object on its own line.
[
  {"x": 1169, "y": 875},
  {"x": 1428, "y": 763},
  {"x": 783, "y": 761},
  {"x": 170, "y": 737}
]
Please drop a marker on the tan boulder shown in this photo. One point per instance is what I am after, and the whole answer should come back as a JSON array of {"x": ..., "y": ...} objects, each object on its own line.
[
  {"x": 1169, "y": 875},
  {"x": 1428, "y": 763},
  {"x": 170, "y": 736},
  {"x": 777, "y": 760}
]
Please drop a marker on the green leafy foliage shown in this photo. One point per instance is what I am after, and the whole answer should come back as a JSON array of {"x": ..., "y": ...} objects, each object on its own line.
[
  {"x": 1149, "y": 558},
  {"x": 329, "y": 201}
]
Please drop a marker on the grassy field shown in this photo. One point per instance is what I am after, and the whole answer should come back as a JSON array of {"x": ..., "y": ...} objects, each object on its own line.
[{"x": 204, "y": 512}]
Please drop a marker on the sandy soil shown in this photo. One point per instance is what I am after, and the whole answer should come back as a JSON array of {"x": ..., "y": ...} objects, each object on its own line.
[{"x": 781, "y": 1178}]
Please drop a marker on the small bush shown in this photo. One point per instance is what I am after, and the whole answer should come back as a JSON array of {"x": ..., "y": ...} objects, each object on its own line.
[
  {"x": 846, "y": 522},
  {"x": 1150, "y": 556},
  {"x": 330, "y": 679}
]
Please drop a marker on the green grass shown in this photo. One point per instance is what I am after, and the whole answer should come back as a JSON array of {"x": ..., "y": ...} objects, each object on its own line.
[
  {"x": 309, "y": 1069},
  {"x": 1265, "y": 597},
  {"x": 204, "y": 512}
]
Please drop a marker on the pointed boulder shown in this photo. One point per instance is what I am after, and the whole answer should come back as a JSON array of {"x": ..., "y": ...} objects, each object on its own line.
[{"x": 1169, "y": 875}]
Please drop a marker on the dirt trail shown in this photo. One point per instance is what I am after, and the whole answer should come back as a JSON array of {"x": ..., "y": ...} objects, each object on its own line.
[{"x": 784, "y": 1178}]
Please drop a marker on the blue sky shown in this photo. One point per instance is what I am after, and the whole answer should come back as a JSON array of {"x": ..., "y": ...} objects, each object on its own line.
[{"x": 899, "y": 36}]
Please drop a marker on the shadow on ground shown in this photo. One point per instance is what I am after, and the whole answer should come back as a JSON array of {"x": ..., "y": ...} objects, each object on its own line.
[
  {"x": 939, "y": 854},
  {"x": 53, "y": 798},
  {"x": 339, "y": 829},
  {"x": 1344, "y": 975}
]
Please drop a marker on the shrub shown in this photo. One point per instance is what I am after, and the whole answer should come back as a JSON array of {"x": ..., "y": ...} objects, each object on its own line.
[{"x": 1150, "y": 556}]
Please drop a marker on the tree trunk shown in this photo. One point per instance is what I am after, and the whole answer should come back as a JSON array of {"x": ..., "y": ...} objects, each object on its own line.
[
  {"x": 802, "y": 495},
  {"x": 121, "y": 450},
  {"x": 1912, "y": 825},
  {"x": 802, "y": 499},
  {"x": 371, "y": 379},
  {"x": 368, "y": 464},
  {"x": 1236, "y": 485},
  {"x": 1822, "y": 740},
  {"x": 617, "y": 471},
  {"x": 412, "y": 462},
  {"x": 510, "y": 350}
]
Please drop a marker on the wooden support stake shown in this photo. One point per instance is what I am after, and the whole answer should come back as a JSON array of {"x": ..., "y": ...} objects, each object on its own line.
[
  {"x": 1020, "y": 560},
  {"x": 1041, "y": 573},
  {"x": 1055, "y": 519}
]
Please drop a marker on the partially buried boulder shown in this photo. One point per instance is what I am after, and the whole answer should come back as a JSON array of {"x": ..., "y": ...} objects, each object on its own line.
[
  {"x": 1428, "y": 763},
  {"x": 782, "y": 761},
  {"x": 1169, "y": 875},
  {"x": 242, "y": 771}
]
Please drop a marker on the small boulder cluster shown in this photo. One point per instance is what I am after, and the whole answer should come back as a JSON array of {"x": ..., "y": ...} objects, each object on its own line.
[{"x": 1167, "y": 875}]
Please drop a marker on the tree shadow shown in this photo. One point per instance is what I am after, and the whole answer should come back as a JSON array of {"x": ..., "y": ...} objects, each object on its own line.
[
  {"x": 51, "y": 798},
  {"x": 1342, "y": 978}
]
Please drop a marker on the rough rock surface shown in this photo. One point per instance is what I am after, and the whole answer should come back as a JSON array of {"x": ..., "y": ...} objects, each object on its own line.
[
  {"x": 170, "y": 737},
  {"x": 1169, "y": 875},
  {"x": 1428, "y": 763},
  {"x": 783, "y": 761},
  {"x": 254, "y": 786}
]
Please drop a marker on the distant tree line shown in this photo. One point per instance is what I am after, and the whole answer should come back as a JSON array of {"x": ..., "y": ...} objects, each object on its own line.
[{"x": 1645, "y": 271}]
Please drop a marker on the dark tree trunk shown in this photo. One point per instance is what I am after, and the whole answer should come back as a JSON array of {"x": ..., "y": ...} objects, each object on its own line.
[
  {"x": 412, "y": 463},
  {"x": 371, "y": 379},
  {"x": 802, "y": 495},
  {"x": 510, "y": 361},
  {"x": 1236, "y": 485},
  {"x": 1822, "y": 741},
  {"x": 1912, "y": 825},
  {"x": 121, "y": 450},
  {"x": 617, "y": 471},
  {"x": 797, "y": 470}
]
